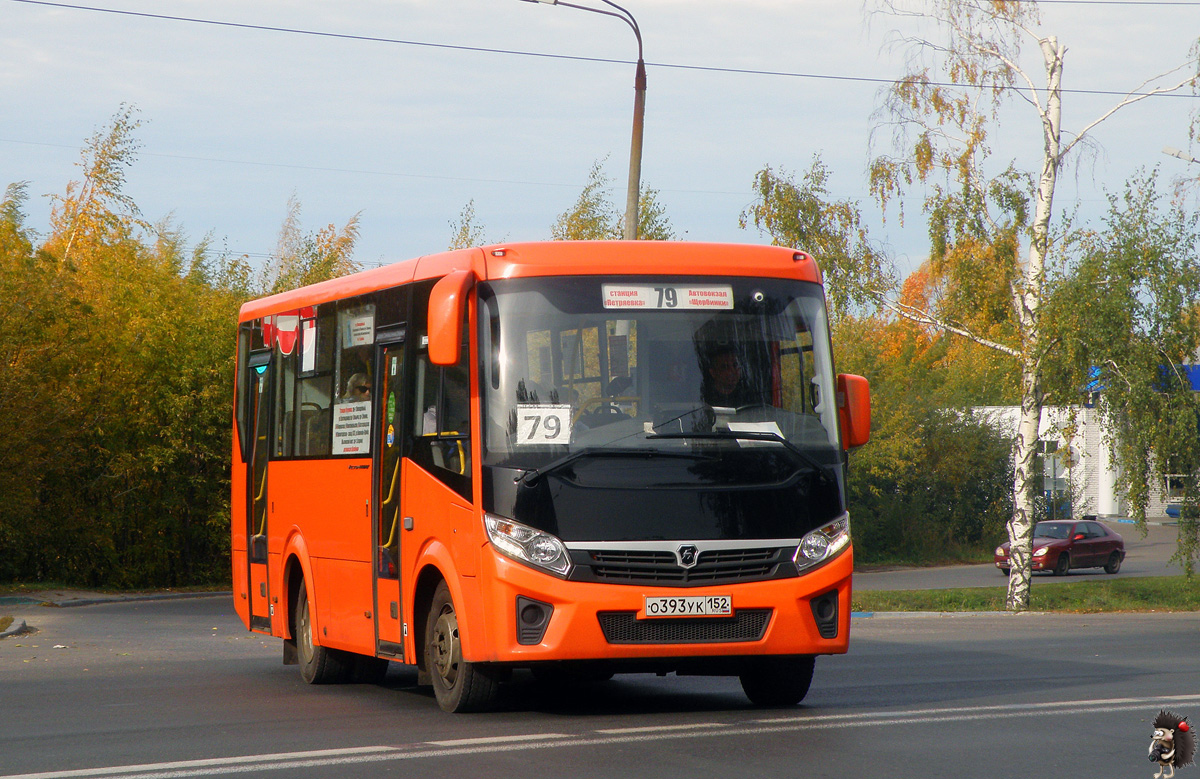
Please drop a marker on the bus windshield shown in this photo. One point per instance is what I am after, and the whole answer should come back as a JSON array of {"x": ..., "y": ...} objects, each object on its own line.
[{"x": 572, "y": 366}]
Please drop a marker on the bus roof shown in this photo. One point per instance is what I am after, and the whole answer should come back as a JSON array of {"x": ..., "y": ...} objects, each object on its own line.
[{"x": 556, "y": 258}]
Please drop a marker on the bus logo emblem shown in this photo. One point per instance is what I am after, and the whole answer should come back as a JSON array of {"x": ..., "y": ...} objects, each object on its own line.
[{"x": 687, "y": 556}]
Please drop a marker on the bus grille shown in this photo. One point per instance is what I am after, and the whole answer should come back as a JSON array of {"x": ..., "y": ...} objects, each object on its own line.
[
  {"x": 713, "y": 566},
  {"x": 623, "y": 627}
]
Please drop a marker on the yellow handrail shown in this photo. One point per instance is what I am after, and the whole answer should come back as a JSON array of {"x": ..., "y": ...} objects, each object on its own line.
[{"x": 392, "y": 489}]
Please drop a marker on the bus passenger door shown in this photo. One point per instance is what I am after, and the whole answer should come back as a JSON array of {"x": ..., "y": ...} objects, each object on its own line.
[
  {"x": 259, "y": 394},
  {"x": 388, "y": 521}
]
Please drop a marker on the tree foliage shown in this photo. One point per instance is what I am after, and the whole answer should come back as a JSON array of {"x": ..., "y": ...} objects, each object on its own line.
[
  {"x": 933, "y": 483},
  {"x": 800, "y": 214},
  {"x": 941, "y": 113},
  {"x": 117, "y": 345},
  {"x": 305, "y": 258},
  {"x": 466, "y": 232},
  {"x": 1128, "y": 316},
  {"x": 595, "y": 217}
]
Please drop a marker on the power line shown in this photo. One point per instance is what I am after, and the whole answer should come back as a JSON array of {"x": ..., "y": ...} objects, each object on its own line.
[
  {"x": 1113, "y": 2},
  {"x": 361, "y": 172},
  {"x": 605, "y": 60}
]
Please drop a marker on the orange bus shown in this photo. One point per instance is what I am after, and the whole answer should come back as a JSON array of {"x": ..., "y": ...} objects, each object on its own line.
[{"x": 576, "y": 458}]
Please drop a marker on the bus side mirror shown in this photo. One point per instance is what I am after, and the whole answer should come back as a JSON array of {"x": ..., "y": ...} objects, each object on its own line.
[
  {"x": 447, "y": 303},
  {"x": 854, "y": 409}
]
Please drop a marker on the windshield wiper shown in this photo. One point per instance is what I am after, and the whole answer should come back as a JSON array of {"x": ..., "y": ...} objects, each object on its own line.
[
  {"x": 530, "y": 477},
  {"x": 821, "y": 468}
]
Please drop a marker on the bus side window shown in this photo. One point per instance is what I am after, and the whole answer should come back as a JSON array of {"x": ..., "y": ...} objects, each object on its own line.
[
  {"x": 354, "y": 375},
  {"x": 314, "y": 418},
  {"x": 441, "y": 434},
  {"x": 285, "y": 399},
  {"x": 242, "y": 389}
]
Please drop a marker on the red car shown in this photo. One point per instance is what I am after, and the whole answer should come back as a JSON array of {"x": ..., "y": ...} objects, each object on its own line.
[{"x": 1061, "y": 546}]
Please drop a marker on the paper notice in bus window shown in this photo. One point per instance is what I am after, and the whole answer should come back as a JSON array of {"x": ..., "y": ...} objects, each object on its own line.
[
  {"x": 756, "y": 427},
  {"x": 543, "y": 424},
  {"x": 362, "y": 330},
  {"x": 352, "y": 428},
  {"x": 667, "y": 296}
]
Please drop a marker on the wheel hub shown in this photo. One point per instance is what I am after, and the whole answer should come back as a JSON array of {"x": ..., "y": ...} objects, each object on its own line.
[
  {"x": 446, "y": 649},
  {"x": 304, "y": 637}
]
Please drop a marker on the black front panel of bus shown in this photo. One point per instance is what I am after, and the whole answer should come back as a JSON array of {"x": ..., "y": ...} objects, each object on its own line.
[{"x": 751, "y": 497}]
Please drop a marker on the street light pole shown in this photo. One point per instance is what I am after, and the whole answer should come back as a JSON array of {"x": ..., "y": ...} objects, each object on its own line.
[{"x": 639, "y": 113}]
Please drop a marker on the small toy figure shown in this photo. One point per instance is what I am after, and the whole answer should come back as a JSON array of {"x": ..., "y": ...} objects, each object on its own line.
[{"x": 1173, "y": 744}]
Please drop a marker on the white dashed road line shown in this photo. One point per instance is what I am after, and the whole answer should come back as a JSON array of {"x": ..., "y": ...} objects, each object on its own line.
[{"x": 612, "y": 736}]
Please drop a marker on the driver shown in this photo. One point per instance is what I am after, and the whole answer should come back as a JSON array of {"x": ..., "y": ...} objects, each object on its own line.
[{"x": 723, "y": 385}]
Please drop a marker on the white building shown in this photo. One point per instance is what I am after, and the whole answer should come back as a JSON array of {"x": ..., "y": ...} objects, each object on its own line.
[{"x": 1076, "y": 457}]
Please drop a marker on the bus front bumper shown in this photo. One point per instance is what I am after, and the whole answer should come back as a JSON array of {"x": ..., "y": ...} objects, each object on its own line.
[{"x": 804, "y": 615}]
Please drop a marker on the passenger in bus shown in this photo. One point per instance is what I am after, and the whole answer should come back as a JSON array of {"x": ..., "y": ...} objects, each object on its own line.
[
  {"x": 358, "y": 388},
  {"x": 723, "y": 384}
]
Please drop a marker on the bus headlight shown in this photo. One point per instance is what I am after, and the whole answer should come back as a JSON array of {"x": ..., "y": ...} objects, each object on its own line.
[
  {"x": 823, "y": 543},
  {"x": 526, "y": 545}
]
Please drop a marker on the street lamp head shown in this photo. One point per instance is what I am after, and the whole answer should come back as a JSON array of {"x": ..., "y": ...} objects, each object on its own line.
[{"x": 1173, "y": 152}]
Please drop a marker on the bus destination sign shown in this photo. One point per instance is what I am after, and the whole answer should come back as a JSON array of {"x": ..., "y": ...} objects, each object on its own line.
[{"x": 668, "y": 296}]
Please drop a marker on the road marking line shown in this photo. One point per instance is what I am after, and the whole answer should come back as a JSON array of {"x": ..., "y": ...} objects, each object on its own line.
[
  {"x": 998, "y": 708},
  {"x": 458, "y": 742},
  {"x": 661, "y": 728},
  {"x": 214, "y": 761},
  {"x": 373, "y": 754}
]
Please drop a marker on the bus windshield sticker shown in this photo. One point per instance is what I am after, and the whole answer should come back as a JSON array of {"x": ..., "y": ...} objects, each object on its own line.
[
  {"x": 352, "y": 428},
  {"x": 756, "y": 427},
  {"x": 667, "y": 296},
  {"x": 543, "y": 424}
]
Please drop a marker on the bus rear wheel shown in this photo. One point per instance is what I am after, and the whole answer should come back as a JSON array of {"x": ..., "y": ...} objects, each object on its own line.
[
  {"x": 318, "y": 664},
  {"x": 777, "y": 681},
  {"x": 458, "y": 685}
]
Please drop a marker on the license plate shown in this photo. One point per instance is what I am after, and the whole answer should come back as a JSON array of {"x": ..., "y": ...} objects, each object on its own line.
[{"x": 689, "y": 606}]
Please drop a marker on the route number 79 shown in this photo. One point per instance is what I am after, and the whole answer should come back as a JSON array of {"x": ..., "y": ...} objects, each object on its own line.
[{"x": 542, "y": 425}]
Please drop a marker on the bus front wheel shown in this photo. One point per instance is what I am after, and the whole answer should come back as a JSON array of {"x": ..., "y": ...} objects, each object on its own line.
[
  {"x": 458, "y": 685},
  {"x": 777, "y": 681},
  {"x": 318, "y": 664}
]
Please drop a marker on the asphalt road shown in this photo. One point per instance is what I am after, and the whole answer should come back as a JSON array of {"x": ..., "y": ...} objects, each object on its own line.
[
  {"x": 179, "y": 688},
  {"x": 1149, "y": 556}
]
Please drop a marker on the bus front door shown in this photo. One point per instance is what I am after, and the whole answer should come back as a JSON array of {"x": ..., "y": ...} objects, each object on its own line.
[
  {"x": 388, "y": 522},
  {"x": 259, "y": 397}
]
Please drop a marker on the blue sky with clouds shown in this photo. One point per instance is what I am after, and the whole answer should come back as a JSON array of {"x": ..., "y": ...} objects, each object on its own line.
[{"x": 238, "y": 120}]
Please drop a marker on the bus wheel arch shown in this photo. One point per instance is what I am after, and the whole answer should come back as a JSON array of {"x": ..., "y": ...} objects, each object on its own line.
[
  {"x": 318, "y": 664},
  {"x": 427, "y": 583},
  {"x": 458, "y": 685},
  {"x": 293, "y": 580}
]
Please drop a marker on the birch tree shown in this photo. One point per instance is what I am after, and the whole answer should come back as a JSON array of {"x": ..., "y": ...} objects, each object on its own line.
[{"x": 942, "y": 112}]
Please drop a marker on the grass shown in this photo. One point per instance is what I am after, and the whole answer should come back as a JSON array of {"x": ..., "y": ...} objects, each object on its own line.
[
  {"x": 4, "y": 623},
  {"x": 942, "y": 557},
  {"x": 1156, "y": 593},
  {"x": 19, "y": 588}
]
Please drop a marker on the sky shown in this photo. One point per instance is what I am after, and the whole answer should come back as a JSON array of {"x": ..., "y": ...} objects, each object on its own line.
[{"x": 406, "y": 131}]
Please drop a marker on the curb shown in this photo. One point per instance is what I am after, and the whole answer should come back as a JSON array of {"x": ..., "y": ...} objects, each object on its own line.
[
  {"x": 132, "y": 598},
  {"x": 21, "y": 600},
  {"x": 15, "y": 629},
  {"x": 1166, "y": 523},
  {"x": 906, "y": 614}
]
